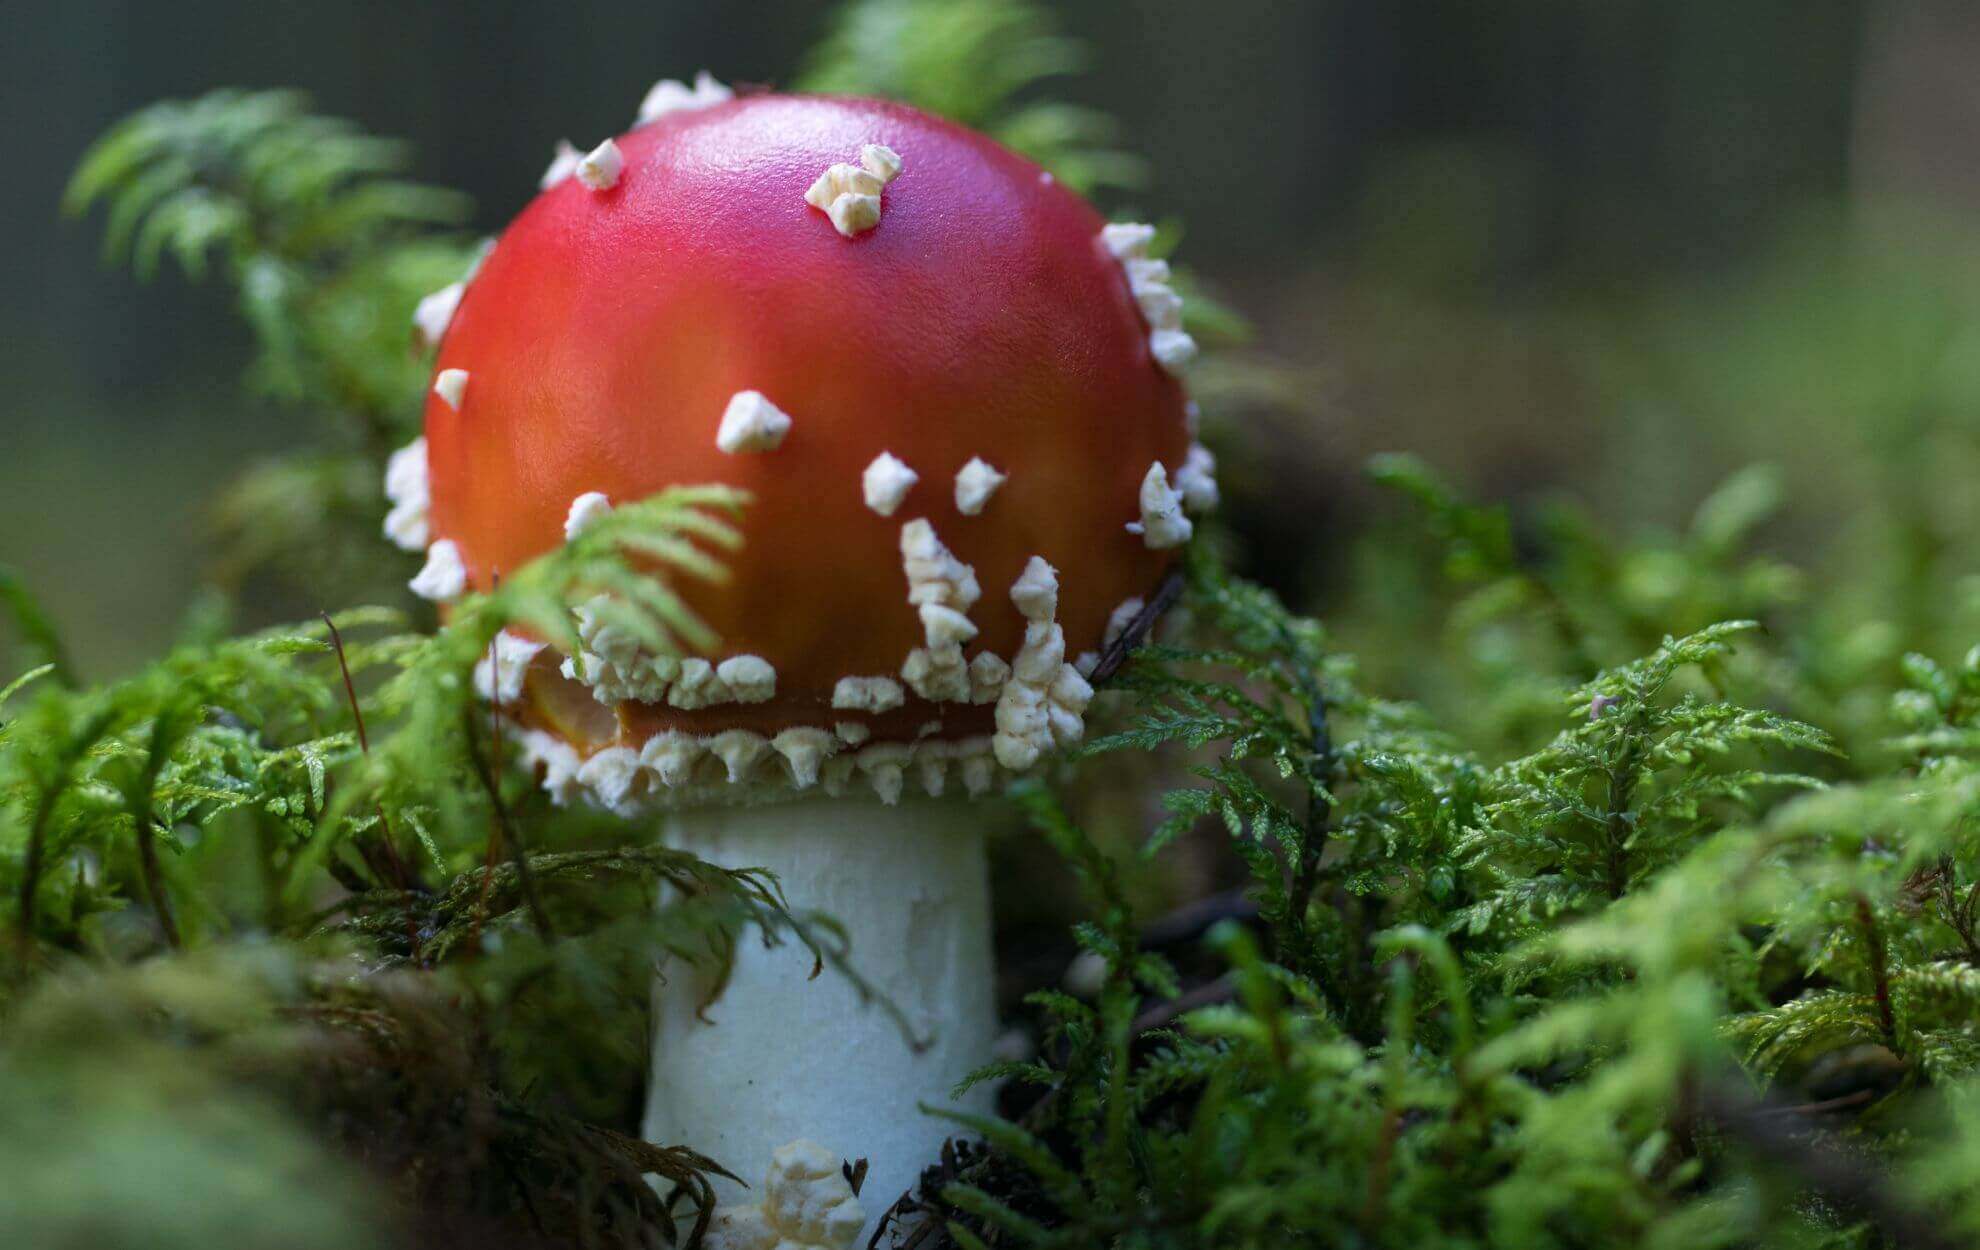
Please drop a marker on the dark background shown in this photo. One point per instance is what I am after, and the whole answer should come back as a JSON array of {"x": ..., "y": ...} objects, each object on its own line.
[{"x": 1457, "y": 225}]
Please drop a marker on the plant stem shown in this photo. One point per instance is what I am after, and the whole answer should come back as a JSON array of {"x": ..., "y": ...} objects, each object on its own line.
[
  {"x": 1615, "y": 829},
  {"x": 154, "y": 885},
  {"x": 31, "y": 867},
  {"x": 1116, "y": 653},
  {"x": 1319, "y": 803},
  {"x": 506, "y": 833},
  {"x": 44, "y": 815},
  {"x": 400, "y": 878},
  {"x": 1879, "y": 970}
]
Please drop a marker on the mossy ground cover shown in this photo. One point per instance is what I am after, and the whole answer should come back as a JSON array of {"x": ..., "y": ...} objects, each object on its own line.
[{"x": 1624, "y": 892}]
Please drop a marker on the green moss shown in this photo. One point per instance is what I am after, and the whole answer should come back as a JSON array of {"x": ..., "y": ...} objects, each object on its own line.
[{"x": 1654, "y": 920}]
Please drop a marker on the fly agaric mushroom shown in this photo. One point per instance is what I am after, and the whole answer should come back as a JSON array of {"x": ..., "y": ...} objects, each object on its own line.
[{"x": 945, "y": 382}]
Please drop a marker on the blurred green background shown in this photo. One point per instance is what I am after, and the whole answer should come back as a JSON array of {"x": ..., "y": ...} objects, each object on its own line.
[{"x": 1603, "y": 251}]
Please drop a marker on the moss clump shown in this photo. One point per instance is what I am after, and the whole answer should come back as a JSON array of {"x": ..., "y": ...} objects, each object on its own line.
[{"x": 1653, "y": 920}]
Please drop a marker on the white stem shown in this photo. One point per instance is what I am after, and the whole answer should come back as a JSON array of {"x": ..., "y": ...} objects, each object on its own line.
[{"x": 780, "y": 1056}]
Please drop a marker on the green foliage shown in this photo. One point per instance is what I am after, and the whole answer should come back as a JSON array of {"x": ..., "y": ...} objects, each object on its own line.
[
  {"x": 34, "y": 628},
  {"x": 305, "y": 214},
  {"x": 978, "y": 62},
  {"x": 1651, "y": 919},
  {"x": 1626, "y": 791},
  {"x": 329, "y": 252},
  {"x": 986, "y": 64},
  {"x": 1501, "y": 1005},
  {"x": 240, "y": 788}
]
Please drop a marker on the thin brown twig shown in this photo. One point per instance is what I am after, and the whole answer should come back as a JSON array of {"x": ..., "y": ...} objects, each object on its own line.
[
  {"x": 350, "y": 687},
  {"x": 1210, "y": 993},
  {"x": 518, "y": 854},
  {"x": 497, "y": 816},
  {"x": 399, "y": 876},
  {"x": 1379, "y": 1168},
  {"x": 1116, "y": 652},
  {"x": 395, "y": 867},
  {"x": 1860, "y": 1098}
]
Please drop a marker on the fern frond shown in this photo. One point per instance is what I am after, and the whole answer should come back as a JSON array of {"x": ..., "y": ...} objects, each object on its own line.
[
  {"x": 253, "y": 173},
  {"x": 977, "y": 62}
]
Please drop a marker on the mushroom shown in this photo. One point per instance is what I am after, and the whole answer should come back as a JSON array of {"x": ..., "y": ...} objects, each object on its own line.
[{"x": 945, "y": 420}]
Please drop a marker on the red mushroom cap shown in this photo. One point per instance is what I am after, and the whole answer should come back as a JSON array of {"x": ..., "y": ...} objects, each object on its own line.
[{"x": 983, "y": 317}]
